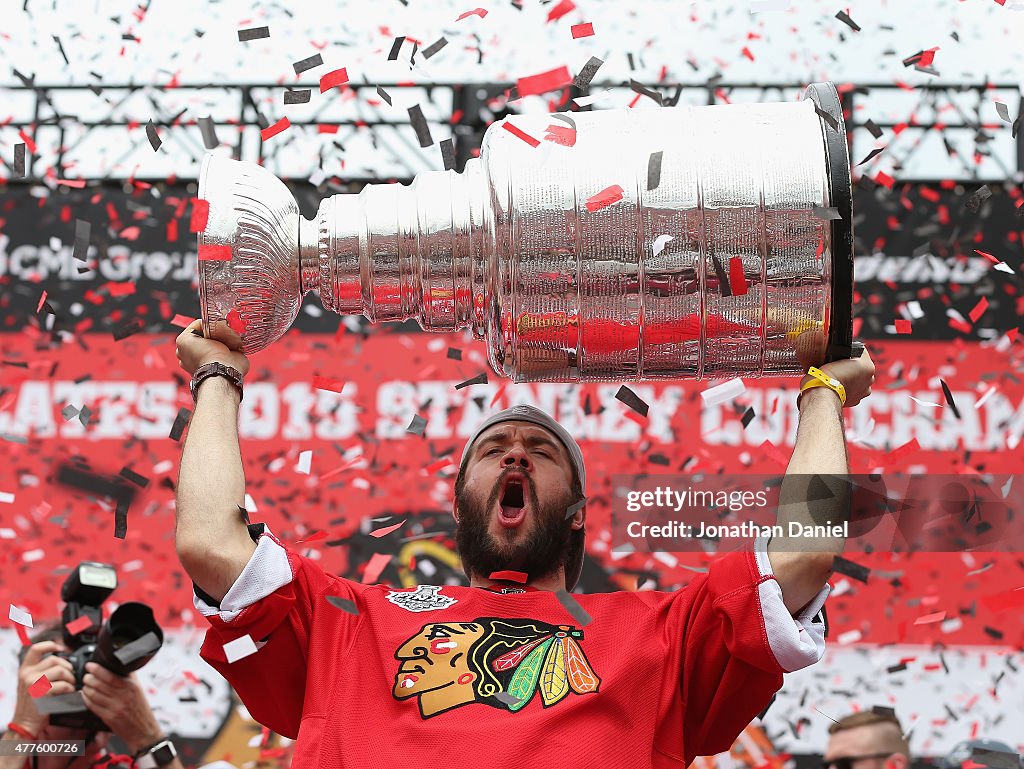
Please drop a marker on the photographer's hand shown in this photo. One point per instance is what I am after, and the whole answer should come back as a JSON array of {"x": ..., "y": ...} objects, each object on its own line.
[
  {"x": 39, "y": 661},
  {"x": 122, "y": 705}
]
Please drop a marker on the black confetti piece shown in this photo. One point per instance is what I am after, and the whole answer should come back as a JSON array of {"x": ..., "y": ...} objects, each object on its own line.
[
  {"x": 297, "y": 97},
  {"x": 873, "y": 154},
  {"x": 128, "y": 328},
  {"x": 643, "y": 90},
  {"x": 153, "y": 136},
  {"x": 209, "y": 133},
  {"x": 828, "y": 214},
  {"x": 395, "y": 48},
  {"x": 586, "y": 75},
  {"x": 448, "y": 154},
  {"x": 507, "y": 699},
  {"x": 873, "y": 128},
  {"x": 180, "y": 422},
  {"x": 632, "y": 400},
  {"x": 996, "y": 634},
  {"x": 575, "y": 507},
  {"x": 419, "y": 124},
  {"x": 243, "y": 514},
  {"x": 480, "y": 378},
  {"x": 997, "y": 759},
  {"x": 897, "y": 668},
  {"x": 978, "y": 197},
  {"x": 748, "y": 416},
  {"x": 829, "y": 120},
  {"x": 434, "y": 47},
  {"x": 344, "y": 604},
  {"x": 565, "y": 119},
  {"x": 654, "y": 170},
  {"x": 949, "y": 398},
  {"x": 881, "y": 710},
  {"x": 85, "y": 415},
  {"x": 83, "y": 230},
  {"x": 1003, "y": 111},
  {"x": 19, "y": 160},
  {"x": 852, "y": 570},
  {"x": 69, "y": 412},
  {"x": 133, "y": 477},
  {"x": 253, "y": 33},
  {"x": 659, "y": 459},
  {"x": 844, "y": 17},
  {"x": 454, "y": 353},
  {"x": 138, "y": 648},
  {"x": 121, "y": 518},
  {"x": 60, "y": 47},
  {"x": 724, "y": 285},
  {"x": 573, "y": 607},
  {"x": 384, "y": 95},
  {"x": 417, "y": 425},
  {"x": 304, "y": 65}
]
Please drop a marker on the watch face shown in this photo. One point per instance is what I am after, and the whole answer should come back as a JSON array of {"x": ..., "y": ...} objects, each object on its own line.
[{"x": 164, "y": 754}]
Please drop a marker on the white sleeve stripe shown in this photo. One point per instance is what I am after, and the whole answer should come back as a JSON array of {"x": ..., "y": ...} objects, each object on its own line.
[
  {"x": 267, "y": 570},
  {"x": 796, "y": 642}
]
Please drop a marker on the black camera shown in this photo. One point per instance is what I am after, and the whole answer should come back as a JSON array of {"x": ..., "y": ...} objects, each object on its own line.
[{"x": 122, "y": 644}]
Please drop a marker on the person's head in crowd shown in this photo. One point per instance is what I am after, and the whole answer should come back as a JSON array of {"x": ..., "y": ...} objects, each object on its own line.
[
  {"x": 867, "y": 740},
  {"x": 120, "y": 702},
  {"x": 972, "y": 753}
]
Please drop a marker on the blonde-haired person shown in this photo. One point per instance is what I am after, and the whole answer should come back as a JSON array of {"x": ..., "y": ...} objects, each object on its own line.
[{"x": 867, "y": 740}]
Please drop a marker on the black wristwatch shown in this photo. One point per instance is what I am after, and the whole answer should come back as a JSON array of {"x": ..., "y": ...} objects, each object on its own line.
[
  {"x": 216, "y": 369},
  {"x": 157, "y": 755}
]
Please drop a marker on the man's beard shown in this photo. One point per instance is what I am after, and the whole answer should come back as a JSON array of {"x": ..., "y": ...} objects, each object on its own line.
[{"x": 540, "y": 554}]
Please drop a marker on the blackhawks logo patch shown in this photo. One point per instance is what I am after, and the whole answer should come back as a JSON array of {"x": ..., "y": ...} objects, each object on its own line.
[{"x": 503, "y": 663}]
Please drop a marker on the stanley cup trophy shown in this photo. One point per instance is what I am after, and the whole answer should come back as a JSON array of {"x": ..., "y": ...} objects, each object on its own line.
[{"x": 681, "y": 242}]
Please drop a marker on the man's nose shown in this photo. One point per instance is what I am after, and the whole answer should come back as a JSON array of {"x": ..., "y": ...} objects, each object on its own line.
[{"x": 516, "y": 455}]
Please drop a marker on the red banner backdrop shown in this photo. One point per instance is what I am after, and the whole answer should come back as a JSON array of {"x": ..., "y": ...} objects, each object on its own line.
[{"x": 326, "y": 448}]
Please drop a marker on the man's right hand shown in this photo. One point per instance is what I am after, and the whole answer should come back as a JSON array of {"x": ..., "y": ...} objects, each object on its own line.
[
  {"x": 195, "y": 350},
  {"x": 40, "y": 661}
]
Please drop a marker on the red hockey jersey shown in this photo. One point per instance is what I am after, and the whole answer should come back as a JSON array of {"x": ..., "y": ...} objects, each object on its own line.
[{"x": 368, "y": 676}]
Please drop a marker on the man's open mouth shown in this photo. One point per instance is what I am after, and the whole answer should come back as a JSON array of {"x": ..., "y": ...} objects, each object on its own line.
[{"x": 513, "y": 499}]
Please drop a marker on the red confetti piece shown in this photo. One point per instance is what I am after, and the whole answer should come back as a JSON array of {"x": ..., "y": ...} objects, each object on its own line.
[
  {"x": 42, "y": 299},
  {"x": 582, "y": 30},
  {"x": 76, "y": 626},
  {"x": 235, "y": 322},
  {"x": 632, "y": 416},
  {"x": 564, "y": 7},
  {"x": 930, "y": 618},
  {"x": 561, "y": 134},
  {"x": 200, "y": 215},
  {"x": 884, "y": 179},
  {"x": 211, "y": 253},
  {"x": 31, "y": 145},
  {"x": 384, "y": 531},
  {"x": 326, "y": 129},
  {"x": 927, "y": 57},
  {"x": 903, "y": 326},
  {"x": 520, "y": 133},
  {"x": 746, "y": 52},
  {"x": 481, "y": 12},
  {"x": 22, "y": 635},
  {"x": 40, "y": 687},
  {"x": 271, "y": 131},
  {"x": 987, "y": 256},
  {"x": 374, "y": 568},
  {"x": 331, "y": 79},
  {"x": 979, "y": 309},
  {"x": 511, "y": 576},
  {"x": 606, "y": 197},
  {"x": 316, "y": 536},
  {"x": 76, "y": 183},
  {"x": 328, "y": 383},
  {"x": 960, "y": 325},
  {"x": 120, "y": 289},
  {"x": 551, "y": 80},
  {"x": 182, "y": 321},
  {"x": 908, "y": 448},
  {"x": 737, "y": 280}
]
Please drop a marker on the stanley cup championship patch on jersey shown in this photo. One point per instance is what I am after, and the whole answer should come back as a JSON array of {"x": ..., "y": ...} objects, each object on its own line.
[
  {"x": 423, "y": 598},
  {"x": 493, "y": 661}
]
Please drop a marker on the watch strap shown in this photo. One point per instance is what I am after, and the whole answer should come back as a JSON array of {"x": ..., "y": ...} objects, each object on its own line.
[
  {"x": 156, "y": 756},
  {"x": 216, "y": 368}
]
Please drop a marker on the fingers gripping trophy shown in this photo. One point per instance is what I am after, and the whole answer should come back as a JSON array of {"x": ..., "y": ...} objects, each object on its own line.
[{"x": 687, "y": 242}]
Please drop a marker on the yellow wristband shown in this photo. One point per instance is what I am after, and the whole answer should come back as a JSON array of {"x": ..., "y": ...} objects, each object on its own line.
[{"x": 820, "y": 379}]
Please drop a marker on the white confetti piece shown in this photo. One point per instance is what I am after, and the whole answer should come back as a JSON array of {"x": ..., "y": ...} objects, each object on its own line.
[
  {"x": 6, "y": 496},
  {"x": 849, "y": 637},
  {"x": 659, "y": 244},
  {"x": 305, "y": 462},
  {"x": 239, "y": 648},
  {"x": 33, "y": 555},
  {"x": 924, "y": 403},
  {"x": 981, "y": 401},
  {"x": 20, "y": 616},
  {"x": 1004, "y": 267},
  {"x": 724, "y": 392},
  {"x": 952, "y": 625},
  {"x": 914, "y": 309}
]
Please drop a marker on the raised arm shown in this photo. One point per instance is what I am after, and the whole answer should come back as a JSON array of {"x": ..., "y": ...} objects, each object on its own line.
[
  {"x": 813, "y": 492},
  {"x": 210, "y": 534}
]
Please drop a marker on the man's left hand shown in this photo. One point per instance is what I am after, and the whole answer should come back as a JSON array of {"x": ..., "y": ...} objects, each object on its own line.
[{"x": 122, "y": 705}]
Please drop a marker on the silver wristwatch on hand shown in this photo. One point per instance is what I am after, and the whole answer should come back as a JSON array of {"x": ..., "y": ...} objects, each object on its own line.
[
  {"x": 156, "y": 756},
  {"x": 216, "y": 368}
]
